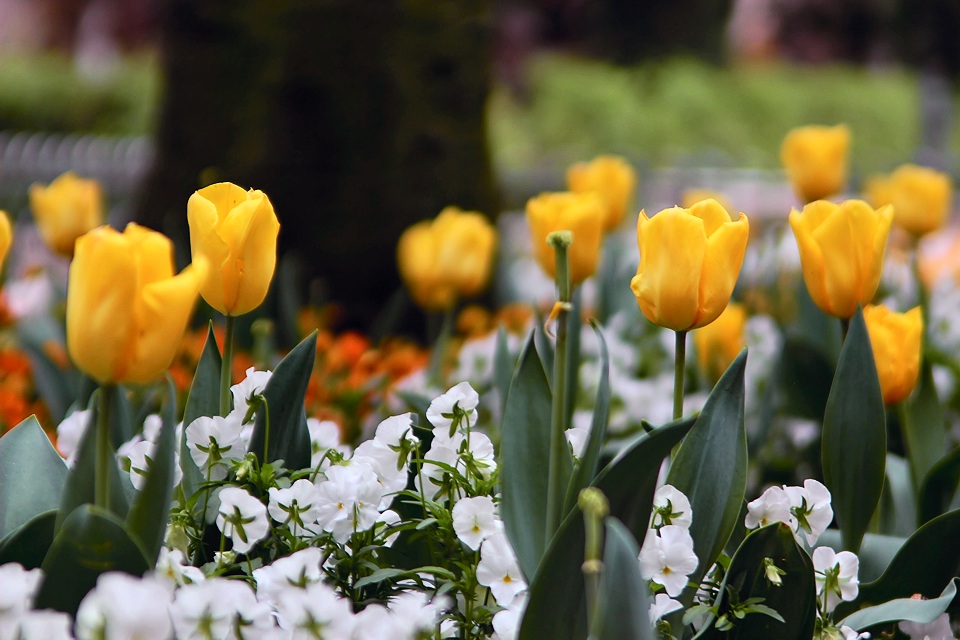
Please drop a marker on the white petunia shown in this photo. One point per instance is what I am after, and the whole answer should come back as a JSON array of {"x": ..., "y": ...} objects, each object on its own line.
[
  {"x": 242, "y": 518},
  {"x": 671, "y": 506},
  {"x": 577, "y": 440},
  {"x": 214, "y": 444},
  {"x": 506, "y": 622},
  {"x": 348, "y": 500},
  {"x": 324, "y": 435},
  {"x": 396, "y": 430},
  {"x": 810, "y": 507},
  {"x": 69, "y": 433},
  {"x": 206, "y": 609},
  {"x": 450, "y": 410},
  {"x": 128, "y": 606},
  {"x": 315, "y": 612},
  {"x": 16, "y": 597},
  {"x": 172, "y": 566},
  {"x": 499, "y": 569},
  {"x": 141, "y": 457},
  {"x": 415, "y": 613},
  {"x": 939, "y": 629},
  {"x": 298, "y": 570},
  {"x": 252, "y": 385},
  {"x": 474, "y": 520},
  {"x": 773, "y": 505},
  {"x": 297, "y": 506},
  {"x": 662, "y": 605},
  {"x": 836, "y": 576},
  {"x": 45, "y": 625},
  {"x": 667, "y": 558},
  {"x": 152, "y": 425}
]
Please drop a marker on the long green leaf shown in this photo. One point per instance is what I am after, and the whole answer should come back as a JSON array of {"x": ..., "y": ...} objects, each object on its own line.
[
  {"x": 32, "y": 475},
  {"x": 524, "y": 451},
  {"x": 914, "y": 610},
  {"x": 90, "y": 542},
  {"x": 503, "y": 368},
  {"x": 286, "y": 392},
  {"x": 854, "y": 440},
  {"x": 939, "y": 486},
  {"x": 203, "y": 400},
  {"x": 876, "y": 552},
  {"x": 28, "y": 545},
  {"x": 923, "y": 427},
  {"x": 710, "y": 467},
  {"x": 624, "y": 600},
  {"x": 897, "y": 514}
]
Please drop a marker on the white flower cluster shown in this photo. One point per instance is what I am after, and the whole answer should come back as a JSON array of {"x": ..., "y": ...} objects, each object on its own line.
[
  {"x": 667, "y": 556},
  {"x": 807, "y": 510}
]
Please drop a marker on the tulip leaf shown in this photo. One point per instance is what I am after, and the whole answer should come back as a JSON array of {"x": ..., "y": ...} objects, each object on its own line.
[
  {"x": 914, "y": 610},
  {"x": 794, "y": 600},
  {"x": 90, "y": 542},
  {"x": 624, "y": 600},
  {"x": 285, "y": 393},
  {"x": 804, "y": 375},
  {"x": 122, "y": 424},
  {"x": 503, "y": 368},
  {"x": 147, "y": 519},
  {"x": 28, "y": 544},
  {"x": 544, "y": 350},
  {"x": 939, "y": 486},
  {"x": 203, "y": 400},
  {"x": 710, "y": 467},
  {"x": 897, "y": 512},
  {"x": 854, "y": 439},
  {"x": 524, "y": 459},
  {"x": 923, "y": 427},
  {"x": 32, "y": 475},
  {"x": 574, "y": 326}
]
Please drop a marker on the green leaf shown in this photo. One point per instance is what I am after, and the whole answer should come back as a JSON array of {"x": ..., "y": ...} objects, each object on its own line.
[
  {"x": 544, "y": 349},
  {"x": 90, "y": 542},
  {"x": 122, "y": 424},
  {"x": 28, "y": 544},
  {"x": 503, "y": 368},
  {"x": 32, "y": 475},
  {"x": 378, "y": 576},
  {"x": 939, "y": 486},
  {"x": 286, "y": 392},
  {"x": 55, "y": 385},
  {"x": 524, "y": 451},
  {"x": 572, "y": 377},
  {"x": 203, "y": 400},
  {"x": 710, "y": 467},
  {"x": 854, "y": 439},
  {"x": 897, "y": 514},
  {"x": 923, "y": 427},
  {"x": 586, "y": 470},
  {"x": 922, "y": 611},
  {"x": 149, "y": 513},
  {"x": 624, "y": 600},
  {"x": 876, "y": 552},
  {"x": 795, "y": 600}
]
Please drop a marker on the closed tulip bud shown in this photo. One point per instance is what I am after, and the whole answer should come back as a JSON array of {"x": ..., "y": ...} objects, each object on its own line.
[
  {"x": 126, "y": 310},
  {"x": 689, "y": 263},
  {"x": 446, "y": 259},
  {"x": 719, "y": 343},
  {"x": 815, "y": 158},
  {"x": 6, "y": 236},
  {"x": 920, "y": 197},
  {"x": 235, "y": 231},
  {"x": 612, "y": 178},
  {"x": 582, "y": 214},
  {"x": 841, "y": 252},
  {"x": 65, "y": 210},
  {"x": 896, "y": 340}
]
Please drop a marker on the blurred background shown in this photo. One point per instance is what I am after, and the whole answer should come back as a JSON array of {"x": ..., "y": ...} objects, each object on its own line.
[{"x": 360, "y": 117}]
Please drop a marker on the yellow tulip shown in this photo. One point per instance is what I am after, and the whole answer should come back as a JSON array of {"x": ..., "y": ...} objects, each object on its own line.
[
  {"x": 235, "y": 231},
  {"x": 126, "y": 310},
  {"x": 721, "y": 341},
  {"x": 691, "y": 197},
  {"x": 815, "y": 158},
  {"x": 689, "y": 263},
  {"x": 65, "y": 210},
  {"x": 612, "y": 178},
  {"x": 448, "y": 258},
  {"x": 896, "y": 340},
  {"x": 580, "y": 213},
  {"x": 6, "y": 236},
  {"x": 920, "y": 197},
  {"x": 841, "y": 252}
]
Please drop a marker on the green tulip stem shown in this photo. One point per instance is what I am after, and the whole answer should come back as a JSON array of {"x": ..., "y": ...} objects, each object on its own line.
[
  {"x": 595, "y": 508},
  {"x": 923, "y": 296},
  {"x": 226, "y": 368},
  {"x": 104, "y": 453},
  {"x": 560, "y": 241},
  {"x": 440, "y": 347},
  {"x": 679, "y": 365}
]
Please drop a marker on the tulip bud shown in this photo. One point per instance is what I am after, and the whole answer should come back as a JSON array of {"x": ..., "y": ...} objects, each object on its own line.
[
  {"x": 920, "y": 197},
  {"x": 6, "y": 236},
  {"x": 65, "y": 210},
  {"x": 612, "y": 178},
  {"x": 448, "y": 258},
  {"x": 689, "y": 263},
  {"x": 582, "y": 214},
  {"x": 841, "y": 252},
  {"x": 815, "y": 158},
  {"x": 235, "y": 231},
  {"x": 719, "y": 343},
  {"x": 126, "y": 310},
  {"x": 896, "y": 339}
]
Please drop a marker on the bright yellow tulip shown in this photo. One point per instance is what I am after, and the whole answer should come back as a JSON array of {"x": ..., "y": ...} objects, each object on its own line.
[
  {"x": 126, "y": 310},
  {"x": 6, "y": 236},
  {"x": 235, "y": 231},
  {"x": 920, "y": 196},
  {"x": 841, "y": 252},
  {"x": 689, "y": 263},
  {"x": 815, "y": 158},
  {"x": 65, "y": 210},
  {"x": 721, "y": 341},
  {"x": 580, "y": 213},
  {"x": 612, "y": 178},
  {"x": 448, "y": 258},
  {"x": 896, "y": 339}
]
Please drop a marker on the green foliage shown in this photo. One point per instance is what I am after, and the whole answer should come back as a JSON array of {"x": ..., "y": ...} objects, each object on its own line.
[
  {"x": 32, "y": 475},
  {"x": 623, "y": 592}
]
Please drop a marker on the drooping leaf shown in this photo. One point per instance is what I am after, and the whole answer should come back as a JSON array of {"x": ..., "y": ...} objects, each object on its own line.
[
  {"x": 923, "y": 427},
  {"x": 285, "y": 392},
  {"x": 854, "y": 438},
  {"x": 203, "y": 400},
  {"x": 29, "y": 543},
  {"x": 624, "y": 600},
  {"x": 90, "y": 542},
  {"x": 914, "y": 610},
  {"x": 32, "y": 475}
]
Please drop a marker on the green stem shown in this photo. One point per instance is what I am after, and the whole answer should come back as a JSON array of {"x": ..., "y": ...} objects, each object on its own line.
[
  {"x": 266, "y": 428},
  {"x": 844, "y": 329},
  {"x": 101, "y": 487},
  {"x": 440, "y": 348},
  {"x": 679, "y": 364},
  {"x": 226, "y": 369},
  {"x": 558, "y": 442},
  {"x": 923, "y": 296}
]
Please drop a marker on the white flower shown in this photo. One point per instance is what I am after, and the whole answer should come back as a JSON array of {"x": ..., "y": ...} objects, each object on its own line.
[
  {"x": 172, "y": 566},
  {"x": 242, "y": 518},
  {"x": 205, "y": 609},
  {"x": 151, "y": 427},
  {"x": 499, "y": 569},
  {"x": 45, "y": 625},
  {"x": 389, "y": 518},
  {"x": 662, "y": 605},
  {"x": 773, "y": 505},
  {"x": 315, "y": 612},
  {"x": 667, "y": 558},
  {"x": 130, "y": 607},
  {"x": 396, "y": 430},
  {"x": 141, "y": 457},
  {"x": 450, "y": 410},
  {"x": 836, "y": 575},
  {"x": 378, "y": 623},
  {"x": 296, "y": 506},
  {"x": 16, "y": 597},
  {"x": 852, "y": 634},
  {"x": 475, "y": 359},
  {"x": 324, "y": 435},
  {"x": 252, "y": 385},
  {"x": 348, "y": 500},
  {"x": 670, "y": 506},
  {"x": 577, "y": 440},
  {"x": 70, "y": 432},
  {"x": 810, "y": 506},
  {"x": 215, "y": 443},
  {"x": 414, "y": 611},
  {"x": 298, "y": 570},
  {"x": 506, "y": 622},
  {"x": 939, "y": 629},
  {"x": 474, "y": 520},
  {"x": 448, "y": 451},
  {"x": 386, "y": 463},
  {"x": 28, "y": 297}
]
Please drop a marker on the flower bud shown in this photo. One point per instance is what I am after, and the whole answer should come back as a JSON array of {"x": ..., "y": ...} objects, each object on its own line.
[
  {"x": 582, "y": 214},
  {"x": 815, "y": 158},
  {"x": 896, "y": 339},
  {"x": 612, "y": 178},
  {"x": 65, "y": 210}
]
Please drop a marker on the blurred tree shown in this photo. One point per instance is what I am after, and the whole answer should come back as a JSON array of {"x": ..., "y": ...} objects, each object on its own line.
[{"x": 357, "y": 118}]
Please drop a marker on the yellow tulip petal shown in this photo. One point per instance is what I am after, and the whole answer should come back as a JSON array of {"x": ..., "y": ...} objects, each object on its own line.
[
  {"x": 712, "y": 213},
  {"x": 843, "y": 284},
  {"x": 6, "y": 236},
  {"x": 721, "y": 268},
  {"x": 224, "y": 196},
  {"x": 811, "y": 260},
  {"x": 250, "y": 231}
]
